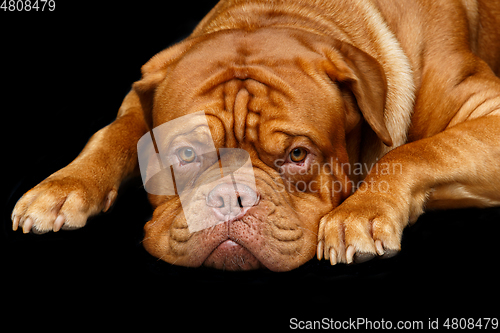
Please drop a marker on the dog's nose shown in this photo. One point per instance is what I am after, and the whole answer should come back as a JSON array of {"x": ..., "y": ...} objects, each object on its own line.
[{"x": 232, "y": 199}]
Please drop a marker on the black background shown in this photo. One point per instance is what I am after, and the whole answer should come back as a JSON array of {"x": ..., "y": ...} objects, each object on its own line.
[{"x": 64, "y": 74}]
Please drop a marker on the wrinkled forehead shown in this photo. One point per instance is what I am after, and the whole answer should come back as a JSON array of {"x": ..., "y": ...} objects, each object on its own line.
[
  {"x": 251, "y": 82},
  {"x": 274, "y": 57}
]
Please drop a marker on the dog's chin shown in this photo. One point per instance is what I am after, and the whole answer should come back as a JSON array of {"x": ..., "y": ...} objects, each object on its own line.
[{"x": 232, "y": 256}]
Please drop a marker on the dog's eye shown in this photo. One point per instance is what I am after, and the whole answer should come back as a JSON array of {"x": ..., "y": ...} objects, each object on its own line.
[
  {"x": 186, "y": 154},
  {"x": 298, "y": 155}
]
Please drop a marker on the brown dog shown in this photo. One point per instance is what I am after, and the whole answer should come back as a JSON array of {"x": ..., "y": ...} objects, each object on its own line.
[{"x": 353, "y": 116}]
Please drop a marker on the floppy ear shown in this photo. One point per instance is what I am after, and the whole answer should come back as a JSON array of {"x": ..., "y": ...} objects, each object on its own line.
[
  {"x": 364, "y": 76},
  {"x": 154, "y": 72}
]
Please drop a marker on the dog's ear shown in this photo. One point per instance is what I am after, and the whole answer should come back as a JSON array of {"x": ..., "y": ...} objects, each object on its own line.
[
  {"x": 357, "y": 71},
  {"x": 155, "y": 71}
]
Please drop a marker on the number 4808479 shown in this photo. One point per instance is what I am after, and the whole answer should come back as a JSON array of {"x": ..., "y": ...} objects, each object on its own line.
[{"x": 28, "y": 5}]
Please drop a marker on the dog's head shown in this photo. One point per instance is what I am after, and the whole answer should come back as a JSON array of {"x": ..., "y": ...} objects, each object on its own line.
[{"x": 248, "y": 144}]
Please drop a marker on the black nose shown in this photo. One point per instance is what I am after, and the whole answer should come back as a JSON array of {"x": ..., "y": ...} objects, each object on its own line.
[{"x": 229, "y": 199}]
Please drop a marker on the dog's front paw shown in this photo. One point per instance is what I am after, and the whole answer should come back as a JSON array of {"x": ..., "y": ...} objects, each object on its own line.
[
  {"x": 361, "y": 228},
  {"x": 60, "y": 202}
]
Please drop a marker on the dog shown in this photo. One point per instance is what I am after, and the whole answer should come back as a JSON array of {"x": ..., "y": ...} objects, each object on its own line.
[{"x": 283, "y": 130}]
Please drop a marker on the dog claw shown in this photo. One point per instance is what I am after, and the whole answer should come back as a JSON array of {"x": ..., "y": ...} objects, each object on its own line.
[
  {"x": 319, "y": 251},
  {"x": 59, "y": 223},
  {"x": 15, "y": 222},
  {"x": 350, "y": 254},
  {"x": 379, "y": 247},
  {"x": 28, "y": 223},
  {"x": 110, "y": 199},
  {"x": 333, "y": 257}
]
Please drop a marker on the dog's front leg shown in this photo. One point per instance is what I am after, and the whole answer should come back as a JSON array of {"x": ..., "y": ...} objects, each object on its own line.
[
  {"x": 458, "y": 167},
  {"x": 89, "y": 184}
]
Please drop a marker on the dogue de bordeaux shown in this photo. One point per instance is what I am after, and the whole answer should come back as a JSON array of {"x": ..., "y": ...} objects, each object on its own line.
[{"x": 353, "y": 117}]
